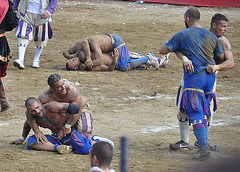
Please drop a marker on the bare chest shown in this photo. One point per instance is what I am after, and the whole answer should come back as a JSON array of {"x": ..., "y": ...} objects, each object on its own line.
[{"x": 52, "y": 121}]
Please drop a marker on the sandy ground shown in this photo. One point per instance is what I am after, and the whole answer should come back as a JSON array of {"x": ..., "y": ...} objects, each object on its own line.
[{"x": 139, "y": 103}]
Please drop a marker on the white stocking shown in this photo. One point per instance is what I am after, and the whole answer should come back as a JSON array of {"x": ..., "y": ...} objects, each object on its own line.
[{"x": 184, "y": 131}]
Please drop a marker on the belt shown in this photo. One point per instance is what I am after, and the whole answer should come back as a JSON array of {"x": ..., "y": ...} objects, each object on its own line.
[{"x": 3, "y": 34}]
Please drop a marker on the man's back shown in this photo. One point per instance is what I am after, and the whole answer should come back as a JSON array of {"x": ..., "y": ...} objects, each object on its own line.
[
  {"x": 198, "y": 44},
  {"x": 102, "y": 42}
]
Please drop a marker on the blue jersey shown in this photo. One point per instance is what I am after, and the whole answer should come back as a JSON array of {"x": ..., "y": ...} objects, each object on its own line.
[
  {"x": 124, "y": 57},
  {"x": 199, "y": 45}
]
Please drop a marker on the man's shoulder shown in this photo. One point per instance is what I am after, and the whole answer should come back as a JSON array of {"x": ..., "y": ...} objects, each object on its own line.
[
  {"x": 51, "y": 104},
  {"x": 95, "y": 37},
  {"x": 70, "y": 87},
  {"x": 72, "y": 92},
  {"x": 45, "y": 96},
  {"x": 45, "y": 92},
  {"x": 226, "y": 43},
  {"x": 224, "y": 40}
]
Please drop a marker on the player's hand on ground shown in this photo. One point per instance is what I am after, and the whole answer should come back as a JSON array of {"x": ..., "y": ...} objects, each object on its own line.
[
  {"x": 41, "y": 137},
  {"x": 17, "y": 142}
]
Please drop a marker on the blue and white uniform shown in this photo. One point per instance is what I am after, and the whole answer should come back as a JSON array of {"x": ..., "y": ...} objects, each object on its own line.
[{"x": 200, "y": 46}]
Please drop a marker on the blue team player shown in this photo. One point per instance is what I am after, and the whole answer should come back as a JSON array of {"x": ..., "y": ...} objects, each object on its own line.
[{"x": 199, "y": 46}]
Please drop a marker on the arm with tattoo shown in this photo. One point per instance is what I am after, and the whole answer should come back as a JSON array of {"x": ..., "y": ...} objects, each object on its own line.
[
  {"x": 86, "y": 49},
  {"x": 77, "y": 98},
  {"x": 224, "y": 63},
  {"x": 228, "y": 56},
  {"x": 71, "y": 52},
  {"x": 115, "y": 55},
  {"x": 32, "y": 122},
  {"x": 44, "y": 97},
  {"x": 72, "y": 112},
  {"x": 97, "y": 53},
  {"x": 73, "y": 116}
]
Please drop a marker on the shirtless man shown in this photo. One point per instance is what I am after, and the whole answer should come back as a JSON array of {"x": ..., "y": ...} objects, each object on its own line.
[
  {"x": 99, "y": 44},
  {"x": 108, "y": 62},
  {"x": 55, "y": 116},
  {"x": 61, "y": 92}
]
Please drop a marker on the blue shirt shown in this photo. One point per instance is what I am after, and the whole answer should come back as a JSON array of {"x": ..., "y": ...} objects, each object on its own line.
[{"x": 199, "y": 45}]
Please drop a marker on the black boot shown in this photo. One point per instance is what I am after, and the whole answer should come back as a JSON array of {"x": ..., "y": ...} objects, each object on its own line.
[
  {"x": 3, "y": 97},
  {"x": 202, "y": 154}
]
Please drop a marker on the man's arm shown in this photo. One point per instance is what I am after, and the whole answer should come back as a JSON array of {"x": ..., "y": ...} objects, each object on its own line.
[
  {"x": 77, "y": 100},
  {"x": 71, "y": 52},
  {"x": 110, "y": 67},
  {"x": 228, "y": 62},
  {"x": 44, "y": 97},
  {"x": 34, "y": 126},
  {"x": 50, "y": 10},
  {"x": 164, "y": 49},
  {"x": 29, "y": 124},
  {"x": 25, "y": 132},
  {"x": 224, "y": 62},
  {"x": 52, "y": 6},
  {"x": 72, "y": 111},
  {"x": 186, "y": 62},
  {"x": 114, "y": 61},
  {"x": 15, "y": 4},
  {"x": 86, "y": 49},
  {"x": 97, "y": 54},
  {"x": 75, "y": 97}
]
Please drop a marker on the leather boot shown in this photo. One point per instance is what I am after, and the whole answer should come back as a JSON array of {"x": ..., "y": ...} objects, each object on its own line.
[{"x": 3, "y": 97}]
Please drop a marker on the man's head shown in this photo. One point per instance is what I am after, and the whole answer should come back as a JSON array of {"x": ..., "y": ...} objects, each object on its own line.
[
  {"x": 219, "y": 24},
  {"x": 73, "y": 64},
  {"x": 57, "y": 84},
  {"x": 101, "y": 154},
  {"x": 34, "y": 107},
  {"x": 191, "y": 16}
]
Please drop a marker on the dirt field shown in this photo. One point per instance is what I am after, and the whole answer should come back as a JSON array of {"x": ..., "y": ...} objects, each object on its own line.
[{"x": 137, "y": 103}]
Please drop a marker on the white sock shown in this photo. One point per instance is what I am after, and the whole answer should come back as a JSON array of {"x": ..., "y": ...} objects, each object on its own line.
[
  {"x": 21, "y": 53},
  {"x": 184, "y": 131},
  {"x": 38, "y": 53}
]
